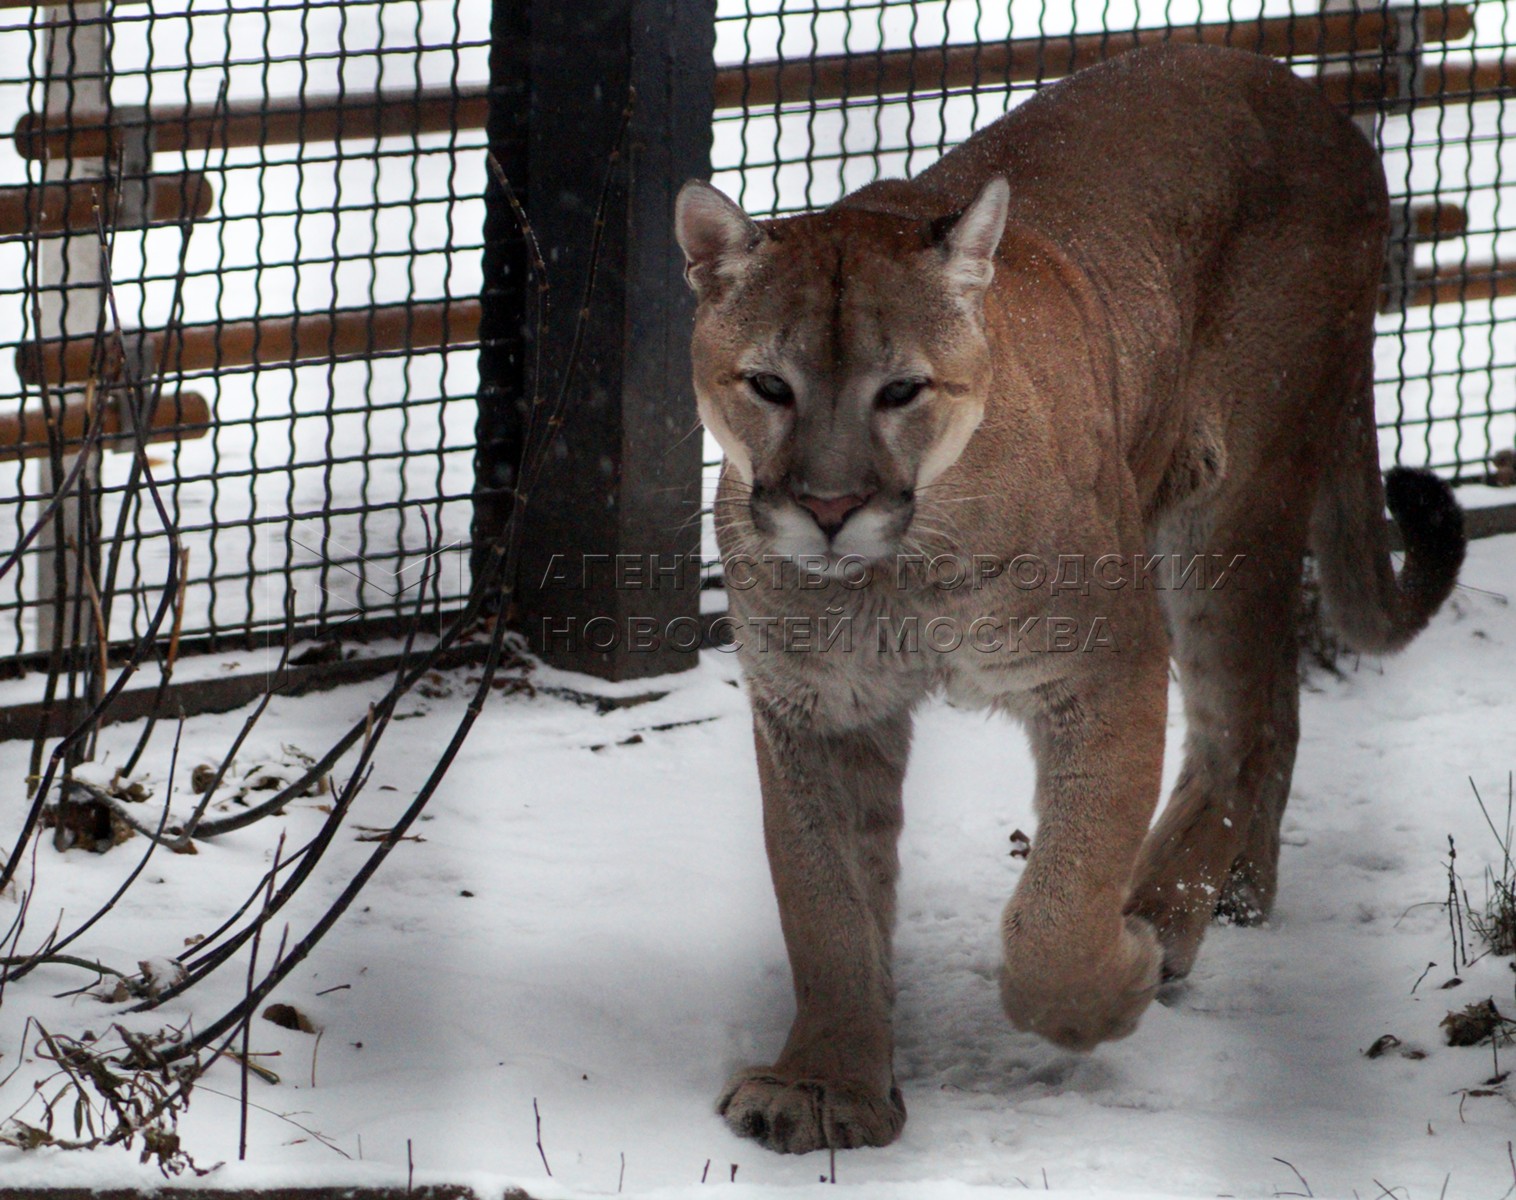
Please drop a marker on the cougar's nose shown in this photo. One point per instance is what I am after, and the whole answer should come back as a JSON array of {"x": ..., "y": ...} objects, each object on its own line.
[{"x": 831, "y": 511}]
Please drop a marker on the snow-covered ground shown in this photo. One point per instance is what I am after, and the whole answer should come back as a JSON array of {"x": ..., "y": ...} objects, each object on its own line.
[{"x": 588, "y": 924}]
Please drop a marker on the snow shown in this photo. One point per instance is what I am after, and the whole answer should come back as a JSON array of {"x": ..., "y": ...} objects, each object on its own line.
[{"x": 620, "y": 953}]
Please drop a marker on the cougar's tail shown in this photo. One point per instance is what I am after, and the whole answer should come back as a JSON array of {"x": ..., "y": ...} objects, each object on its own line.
[{"x": 1372, "y": 608}]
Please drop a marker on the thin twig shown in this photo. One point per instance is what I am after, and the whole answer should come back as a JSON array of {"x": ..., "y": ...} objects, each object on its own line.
[
  {"x": 208, "y": 963},
  {"x": 82, "y": 729},
  {"x": 145, "y": 405},
  {"x": 187, "y": 831},
  {"x": 490, "y": 577},
  {"x": 1297, "y": 1174},
  {"x": 165, "y": 669},
  {"x": 410, "y": 676},
  {"x": 320, "y": 1137},
  {"x": 252, "y": 974},
  {"x": 540, "y": 1151},
  {"x": 64, "y": 960}
]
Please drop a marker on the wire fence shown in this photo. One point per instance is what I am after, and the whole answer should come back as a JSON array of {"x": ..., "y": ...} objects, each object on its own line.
[
  {"x": 291, "y": 198},
  {"x": 816, "y": 98}
]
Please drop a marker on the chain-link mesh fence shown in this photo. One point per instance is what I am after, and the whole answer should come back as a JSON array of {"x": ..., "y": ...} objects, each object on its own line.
[{"x": 290, "y": 200}]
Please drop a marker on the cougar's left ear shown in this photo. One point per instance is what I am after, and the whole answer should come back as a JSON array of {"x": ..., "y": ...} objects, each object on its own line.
[
  {"x": 967, "y": 239},
  {"x": 716, "y": 236}
]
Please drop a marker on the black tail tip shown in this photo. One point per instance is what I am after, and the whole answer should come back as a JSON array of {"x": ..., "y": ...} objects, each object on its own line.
[{"x": 1429, "y": 517}]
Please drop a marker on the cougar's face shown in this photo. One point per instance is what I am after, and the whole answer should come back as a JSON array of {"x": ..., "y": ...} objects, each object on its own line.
[{"x": 841, "y": 363}]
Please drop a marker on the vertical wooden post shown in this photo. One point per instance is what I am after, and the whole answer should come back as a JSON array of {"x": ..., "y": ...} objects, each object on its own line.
[
  {"x": 69, "y": 304},
  {"x": 609, "y": 579}
]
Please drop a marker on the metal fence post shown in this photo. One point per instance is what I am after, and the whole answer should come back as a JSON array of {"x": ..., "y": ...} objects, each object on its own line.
[
  {"x": 503, "y": 302},
  {"x": 609, "y": 579}
]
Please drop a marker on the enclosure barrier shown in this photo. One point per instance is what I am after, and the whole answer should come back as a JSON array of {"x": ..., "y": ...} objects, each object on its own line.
[
  {"x": 76, "y": 205},
  {"x": 25, "y": 434},
  {"x": 321, "y": 444},
  {"x": 317, "y": 383},
  {"x": 333, "y": 336}
]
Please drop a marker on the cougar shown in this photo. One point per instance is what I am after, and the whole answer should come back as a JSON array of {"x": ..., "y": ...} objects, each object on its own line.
[{"x": 1072, "y": 403}]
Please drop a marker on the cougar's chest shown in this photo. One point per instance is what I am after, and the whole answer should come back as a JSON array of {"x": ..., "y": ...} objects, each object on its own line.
[{"x": 850, "y": 656}]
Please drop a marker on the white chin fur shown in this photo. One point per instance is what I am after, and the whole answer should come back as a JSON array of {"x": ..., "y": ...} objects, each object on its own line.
[
  {"x": 795, "y": 534},
  {"x": 861, "y": 537},
  {"x": 864, "y": 537}
]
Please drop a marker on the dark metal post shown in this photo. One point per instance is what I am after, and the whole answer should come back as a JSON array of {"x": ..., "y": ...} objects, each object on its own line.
[
  {"x": 609, "y": 579},
  {"x": 503, "y": 302}
]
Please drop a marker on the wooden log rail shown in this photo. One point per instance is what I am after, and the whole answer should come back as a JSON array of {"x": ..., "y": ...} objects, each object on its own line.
[
  {"x": 358, "y": 115},
  {"x": 1025, "y": 60},
  {"x": 1456, "y": 285},
  {"x": 54, "y": 3},
  {"x": 1438, "y": 221},
  {"x": 354, "y": 332},
  {"x": 70, "y": 206},
  {"x": 199, "y": 127},
  {"x": 1437, "y": 83},
  {"x": 267, "y": 342},
  {"x": 179, "y": 417}
]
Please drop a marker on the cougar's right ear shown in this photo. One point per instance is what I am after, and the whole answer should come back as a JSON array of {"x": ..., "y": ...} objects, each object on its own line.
[
  {"x": 968, "y": 239},
  {"x": 716, "y": 236}
]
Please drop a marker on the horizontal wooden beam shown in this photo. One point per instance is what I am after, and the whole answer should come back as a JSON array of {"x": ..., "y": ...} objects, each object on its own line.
[
  {"x": 353, "y": 332},
  {"x": 61, "y": 4},
  {"x": 23, "y": 434},
  {"x": 197, "y": 127},
  {"x": 56, "y": 207},
  {"x": 950, "y": 68},
  {"x": 1494, "y": 79},
  {"x": 360, "y": 115},
  {"x": 217, "y": 694},
  {"x": 1457, "y": 285},
  {"x": 1490, "y": 521},
  {"x": 1366, "y": 87},
  {"x": 1438, "y": 221},
  {"x": 270, "y": 341}
]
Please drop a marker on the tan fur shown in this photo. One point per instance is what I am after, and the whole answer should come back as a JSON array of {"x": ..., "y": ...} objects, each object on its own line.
[{"x": 1157, "y": 341}]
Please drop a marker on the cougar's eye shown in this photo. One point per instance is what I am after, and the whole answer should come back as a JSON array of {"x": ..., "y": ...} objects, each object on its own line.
[
  {"x": 899, "y": 393},
  {"x": 772, "y": 388}
]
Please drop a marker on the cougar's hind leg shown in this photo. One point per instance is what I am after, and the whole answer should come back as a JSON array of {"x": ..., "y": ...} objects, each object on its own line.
[{"x": 1215, "y": 849}]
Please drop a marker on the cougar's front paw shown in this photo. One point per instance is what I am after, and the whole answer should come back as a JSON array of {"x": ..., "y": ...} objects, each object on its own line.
[
  {"x": 1078, "y": 1000},
  {"x": 798, "y": 1115}
]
